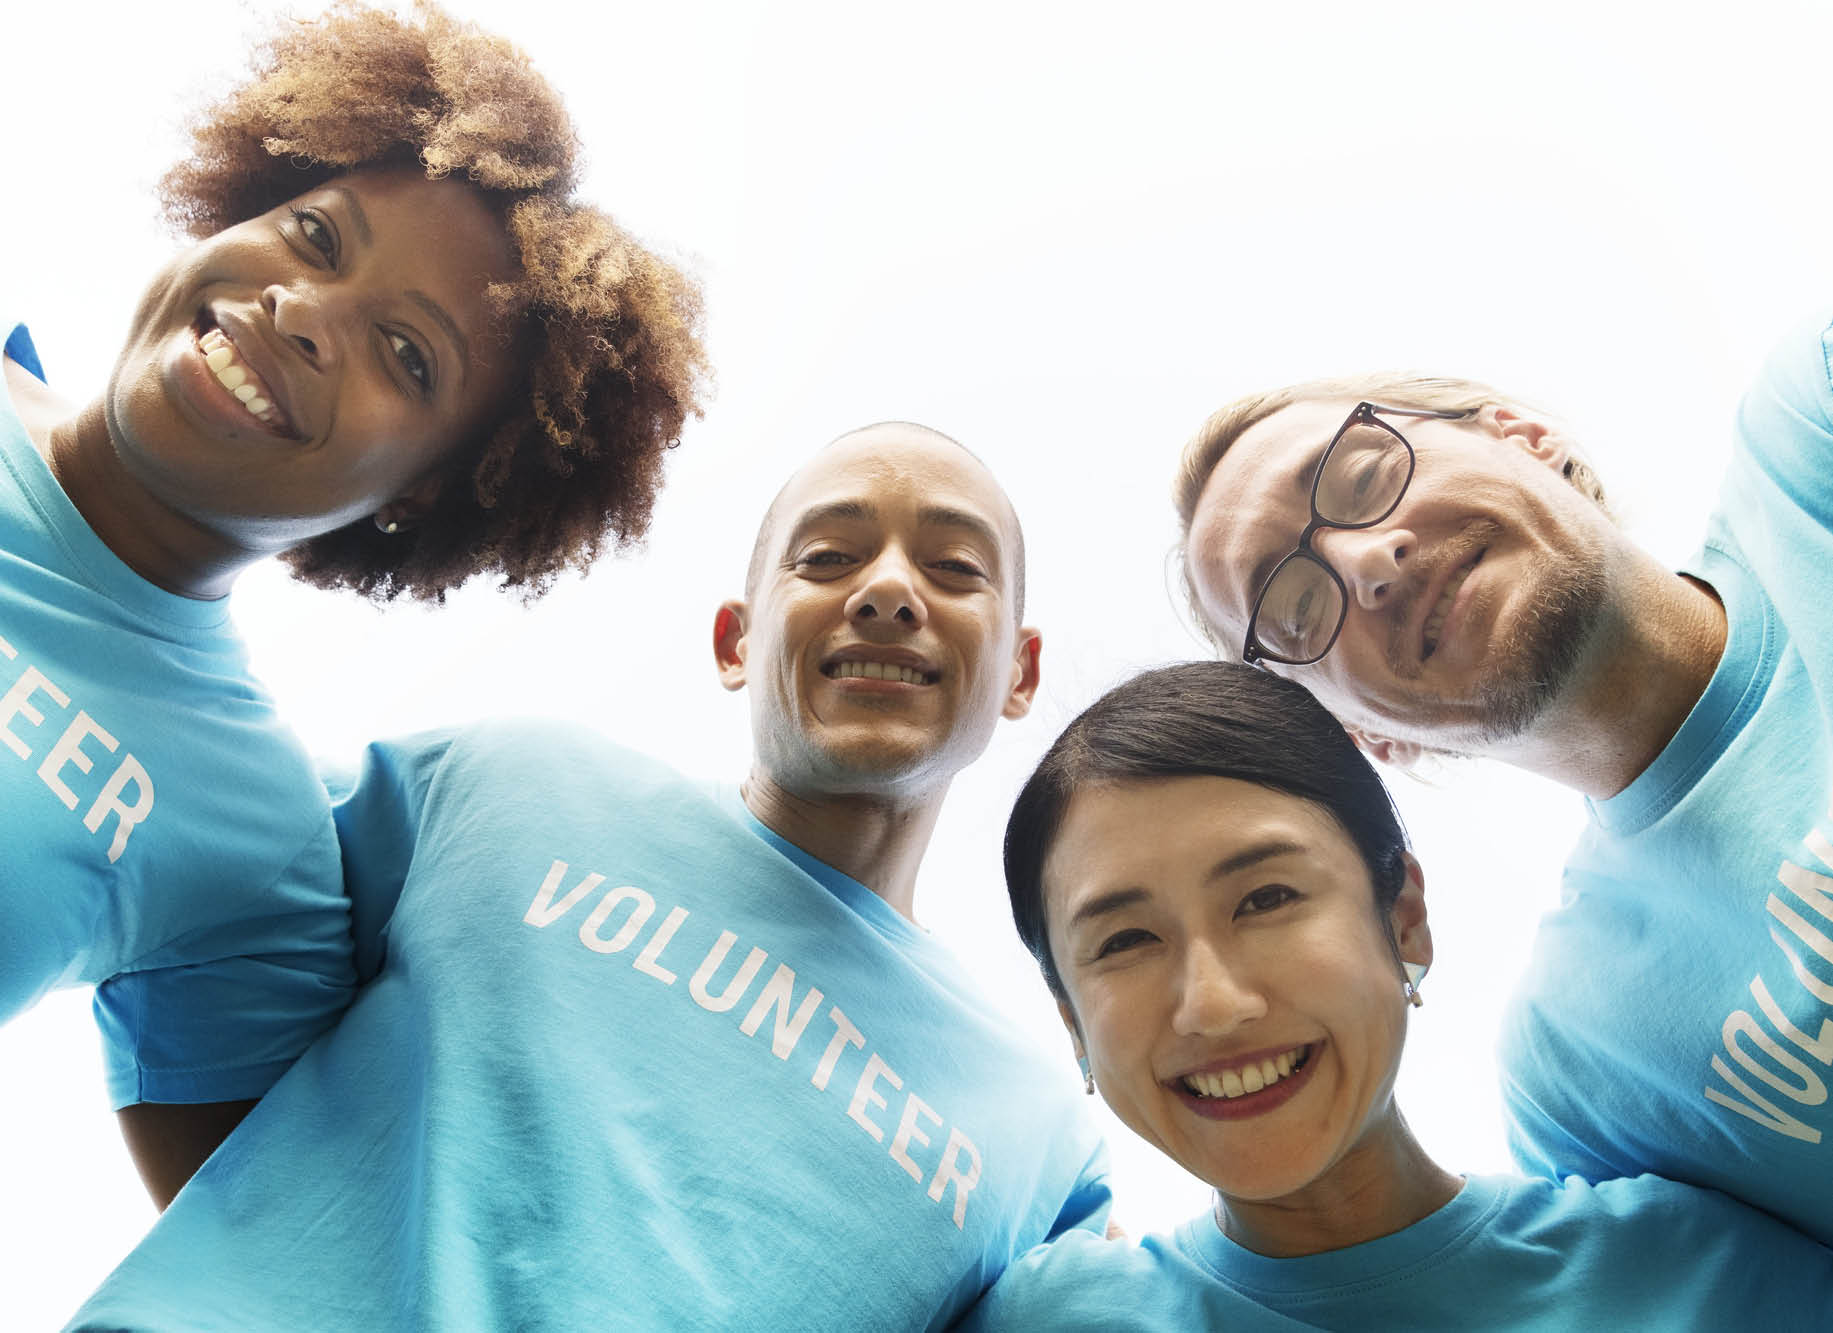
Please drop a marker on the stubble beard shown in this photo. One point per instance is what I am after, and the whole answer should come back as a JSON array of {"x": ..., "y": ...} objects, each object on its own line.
[{"x": 1543, "y": 650}]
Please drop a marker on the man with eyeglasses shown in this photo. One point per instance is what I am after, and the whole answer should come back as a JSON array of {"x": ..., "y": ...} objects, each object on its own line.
[{"x": 1435, "y": 561}]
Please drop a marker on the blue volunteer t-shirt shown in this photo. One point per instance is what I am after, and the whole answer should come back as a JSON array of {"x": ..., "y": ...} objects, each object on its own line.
[
  {"x": 165, "y": 834},
  {"x": 1677, "y": 1016},
  {"x": 1529, "y": 1256},
  {"x": 628, "y": 1060}
]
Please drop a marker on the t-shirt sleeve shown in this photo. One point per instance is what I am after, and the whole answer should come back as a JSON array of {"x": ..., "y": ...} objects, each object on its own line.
[
  {"x": 1091, "y": 1199},
  {"x": 1541, "y": 1146},
  {"x": 1785, "y": 421},
  {"x": 225, "y": 1030},
  {"x": 378, "y": 807}
]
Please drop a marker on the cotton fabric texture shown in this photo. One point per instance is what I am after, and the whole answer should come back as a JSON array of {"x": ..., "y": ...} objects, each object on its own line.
[
  {"x": 1677, "y": 1015},
  {"x": 1526, "y": 1255},
  {"x": 627, "y": 1060},
  {"x": 166, "y": 835}
]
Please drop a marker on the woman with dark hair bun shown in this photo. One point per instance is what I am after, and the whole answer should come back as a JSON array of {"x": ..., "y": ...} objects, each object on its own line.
[
  {"x": 400, "y": 353},
  {"x": 1220, "y": 895}
]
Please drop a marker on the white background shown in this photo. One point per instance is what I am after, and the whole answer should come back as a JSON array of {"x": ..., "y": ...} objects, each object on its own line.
[{"x": 1062, "y": 235}]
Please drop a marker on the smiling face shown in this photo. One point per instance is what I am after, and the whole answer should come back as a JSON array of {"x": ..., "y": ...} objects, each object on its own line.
[
  {"x": 1470, "y": 606},
  {"x": 881, "y": 643},
  {"x": 310, "y": 366},
  {"x": 1229, "y": 976}
]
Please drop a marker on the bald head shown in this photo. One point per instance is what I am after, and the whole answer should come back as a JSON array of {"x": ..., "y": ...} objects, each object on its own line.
[{"x": 886, "y": 436}]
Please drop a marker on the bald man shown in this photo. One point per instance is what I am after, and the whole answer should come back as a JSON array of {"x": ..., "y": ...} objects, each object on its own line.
[{"x": 638, "y": 1054}]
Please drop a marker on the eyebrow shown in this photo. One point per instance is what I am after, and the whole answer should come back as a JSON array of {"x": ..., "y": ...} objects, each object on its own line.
[
  {"x": 1252, "y": 856},
  {"x": 864, "y": 511},
  {"x": 446, "y": 322},
  {"x": 1106, "y": 904},
  {"x": 355, "y": 207}
]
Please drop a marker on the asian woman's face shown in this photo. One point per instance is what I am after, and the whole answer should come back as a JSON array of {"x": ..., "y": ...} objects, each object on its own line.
[
  {"x": 311, "y": 365},
  {"x": 1230, "y": 976}
]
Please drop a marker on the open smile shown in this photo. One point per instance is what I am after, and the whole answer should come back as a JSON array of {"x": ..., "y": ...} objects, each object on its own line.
[
  {"x": 861, "y": 664},
  {"x": 230, "y": 367},
  {"x": 1441, "y": 609},
  {"x": 1247, "y": 1087}
]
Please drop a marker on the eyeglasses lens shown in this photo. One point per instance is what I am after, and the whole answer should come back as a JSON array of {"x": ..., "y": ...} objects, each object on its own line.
[
  {"x": 1300, "y": 612},
  {"x": 1364, "y": 475}
]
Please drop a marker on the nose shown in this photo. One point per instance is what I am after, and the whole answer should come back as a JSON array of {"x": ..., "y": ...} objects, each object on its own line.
[
  {"x": 888, "y": 591},
  {"x": 304, "y": 318},
  {"x": 1214, "y": 998},
  {"x": 1370, "y": 561}
]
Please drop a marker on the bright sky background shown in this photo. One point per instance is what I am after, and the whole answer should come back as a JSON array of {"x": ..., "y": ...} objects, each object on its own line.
[{"x": 1063, "y": 236}]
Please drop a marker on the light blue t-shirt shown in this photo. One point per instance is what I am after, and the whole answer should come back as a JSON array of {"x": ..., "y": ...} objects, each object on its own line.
[
  {"x": 1677, "y": 1016},
  {"x": 628, "y": 1060},
  {"x": 165, "y": 835},
  {"x": 1525, "y": 1255}
]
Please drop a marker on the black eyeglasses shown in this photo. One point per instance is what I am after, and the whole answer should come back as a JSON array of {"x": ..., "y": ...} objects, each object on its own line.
[{"x": 1359, "y": 481}]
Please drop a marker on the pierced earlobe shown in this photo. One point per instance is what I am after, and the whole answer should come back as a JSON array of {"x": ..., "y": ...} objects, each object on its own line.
[
  {"x": 1416, "y": 973},
  {"x": 1088, "y": 1075},
  {"x": 389, "y": 526}
]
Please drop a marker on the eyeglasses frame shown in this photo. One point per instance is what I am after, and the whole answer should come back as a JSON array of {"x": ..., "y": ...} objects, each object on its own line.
[{"x": 1253, "y": 651}]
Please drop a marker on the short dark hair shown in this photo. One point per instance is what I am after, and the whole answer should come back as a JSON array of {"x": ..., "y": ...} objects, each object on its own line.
[{"x": 1200, "y": 719}]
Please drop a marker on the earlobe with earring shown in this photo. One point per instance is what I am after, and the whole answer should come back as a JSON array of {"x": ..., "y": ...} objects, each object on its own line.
[
  {"x": 1088, "y": 1075},
  {"x": 1416, "y": 973},
  {"x": 390, "y": 526}
]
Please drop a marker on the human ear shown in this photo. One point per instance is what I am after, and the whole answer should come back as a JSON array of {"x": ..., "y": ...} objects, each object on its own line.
[
  {"x": 1539, "y": 440},
  {"x": 1407, "y": 917},
  {"x": 410, "y": 508},
  {"x": 729, "y": 644},
  {"x": 1386, "y": 750},
  {"x": 1024, "y": 674},
  {"x": 1068, "y": 1016}
]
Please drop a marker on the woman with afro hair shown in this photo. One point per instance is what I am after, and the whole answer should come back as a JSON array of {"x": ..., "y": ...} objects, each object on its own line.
[{"x": 399, "y": 354}]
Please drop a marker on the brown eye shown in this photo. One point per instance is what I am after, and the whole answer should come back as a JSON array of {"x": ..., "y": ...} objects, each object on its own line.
[
  {"x": 1265, "y": 899},
  {"x": 316, "y": 234}
]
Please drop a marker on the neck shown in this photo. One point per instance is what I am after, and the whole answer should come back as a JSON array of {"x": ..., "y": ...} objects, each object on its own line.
[
  {"x": 1642, "y": 673},
  {"x": 164, "y": 546},
  {"x": 1384, "y": 1184},
  {"x": 877, "y": 840}
]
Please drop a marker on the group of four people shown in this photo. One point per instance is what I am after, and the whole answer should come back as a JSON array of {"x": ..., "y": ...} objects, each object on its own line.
[{"x": 544, "y": 1035}]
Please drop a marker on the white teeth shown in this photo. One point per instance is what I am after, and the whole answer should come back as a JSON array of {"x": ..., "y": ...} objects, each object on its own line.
[
  {"x": 1436, "y": 621},
  {"x": 877, "y": 671},
  {"x": 1247, "y": 1079},
  {"x": 220, "y": 357}
]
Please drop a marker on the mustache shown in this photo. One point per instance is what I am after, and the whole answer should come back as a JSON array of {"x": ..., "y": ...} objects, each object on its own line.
[{"x": 1402, "y": 637}]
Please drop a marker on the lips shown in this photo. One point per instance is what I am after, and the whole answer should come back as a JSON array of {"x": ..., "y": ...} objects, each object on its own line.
[
  {"x": 235, "y": 359},
  {"x": 1434, "y": 623},
  {"x": 1238, "y": 1088},
  {"x": 890, "y": 665}
]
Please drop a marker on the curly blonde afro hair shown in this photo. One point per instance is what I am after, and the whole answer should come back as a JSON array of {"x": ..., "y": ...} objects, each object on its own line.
[{"x": 607, "y": 333}]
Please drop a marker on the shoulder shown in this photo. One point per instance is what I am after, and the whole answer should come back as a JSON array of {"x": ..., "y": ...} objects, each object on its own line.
[
  {"x": 1081, "y": 1280},
  {"x": 1785, "y": 421}
]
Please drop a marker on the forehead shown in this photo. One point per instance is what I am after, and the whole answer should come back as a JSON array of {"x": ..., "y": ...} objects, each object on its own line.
[
  {"x": 1255, "y": 503},
  {"x": 900, "y": 476},
  {"x": 1171, "y": 833}
]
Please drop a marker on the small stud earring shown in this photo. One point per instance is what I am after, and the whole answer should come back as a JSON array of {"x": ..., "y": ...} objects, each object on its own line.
[
  {"x": 1088, "y": 1075},
  {"x": 1416, "y": 973},
  {"x": 390, "y": 527}
]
